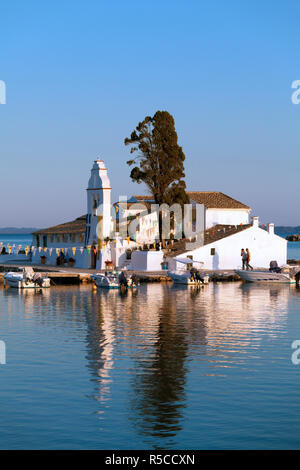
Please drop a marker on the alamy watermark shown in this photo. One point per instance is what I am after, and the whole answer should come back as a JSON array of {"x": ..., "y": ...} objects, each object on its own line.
[
  {"x": 175, "y": 222},
  {"x": 296, "y": 354},
  {"x": 2, "y": 92},
  {"x": 2, "y": 353},
  {"x": 296, "y": 94}
]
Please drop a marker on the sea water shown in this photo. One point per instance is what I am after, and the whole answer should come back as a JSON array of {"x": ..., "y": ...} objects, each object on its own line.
[
  {"x": 16, "y": 239},
  {"x": 164, "y": 367}
]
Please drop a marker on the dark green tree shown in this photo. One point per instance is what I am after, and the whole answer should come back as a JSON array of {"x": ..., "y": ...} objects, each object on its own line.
[{"x": 159, "y": 159}]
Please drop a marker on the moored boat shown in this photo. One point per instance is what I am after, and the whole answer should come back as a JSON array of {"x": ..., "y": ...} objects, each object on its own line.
[
  {"x": 192, "y": 277},
  {"x": 264, "y": 275},
  {"x": 186, "y": 278},
  {"x": 26, "y": 279},
  {"x": 113, "y": 281}
]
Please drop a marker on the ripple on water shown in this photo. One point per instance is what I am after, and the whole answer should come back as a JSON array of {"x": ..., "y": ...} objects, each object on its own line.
[{"x": 165, "y": 367}]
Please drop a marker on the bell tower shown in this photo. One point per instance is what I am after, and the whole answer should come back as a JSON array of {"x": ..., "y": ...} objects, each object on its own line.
[{"x": 98, "y": 204}]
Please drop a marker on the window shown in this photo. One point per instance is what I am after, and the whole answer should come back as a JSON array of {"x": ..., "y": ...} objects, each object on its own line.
[{"x": 212, "y": 251}]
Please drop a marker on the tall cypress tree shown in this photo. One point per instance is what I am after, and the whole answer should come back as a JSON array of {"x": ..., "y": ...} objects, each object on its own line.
[{"x": 159, "y": 159}]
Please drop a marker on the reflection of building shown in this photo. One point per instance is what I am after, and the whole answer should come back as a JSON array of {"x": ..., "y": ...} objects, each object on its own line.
[
  {"x": 150, "y": 350},
  {"x": 100, "y": 346}
]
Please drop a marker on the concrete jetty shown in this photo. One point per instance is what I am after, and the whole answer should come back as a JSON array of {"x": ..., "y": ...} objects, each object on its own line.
[
  {"x": 67, "y": 275},
  {"x": 71, "y": 276}
]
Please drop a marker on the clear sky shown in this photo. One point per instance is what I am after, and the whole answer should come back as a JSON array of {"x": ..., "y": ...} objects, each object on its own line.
[{"x": 80, "y": 75}]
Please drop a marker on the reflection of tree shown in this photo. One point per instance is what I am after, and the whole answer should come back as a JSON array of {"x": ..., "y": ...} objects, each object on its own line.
[{"x": 160, "y": 379}]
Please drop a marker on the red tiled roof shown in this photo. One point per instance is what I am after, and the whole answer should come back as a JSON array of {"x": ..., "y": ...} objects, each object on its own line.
[
  {"x": 211, "y": 200},
  {"x": 215, "y": 200},
  {"x": 144, "y": 198},
  {"x": 76, "y": 226}
]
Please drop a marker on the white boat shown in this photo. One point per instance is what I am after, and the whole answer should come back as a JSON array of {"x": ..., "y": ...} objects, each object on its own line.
[
  {"x": 264, "y": 275},
  {"x": 108, "y": 281},
  {"x": 111, "y": 281},
  {"x": 182, "y": 276},
  {"x": 26, "y": 279}
]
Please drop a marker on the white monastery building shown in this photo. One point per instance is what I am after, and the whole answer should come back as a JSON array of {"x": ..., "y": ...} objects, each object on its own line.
[{"x": 100, "y": 237}]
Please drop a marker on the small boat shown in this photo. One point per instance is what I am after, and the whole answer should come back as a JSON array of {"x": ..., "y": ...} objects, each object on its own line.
[
  {"x": 264, "y": 275},
  {"x": 108, "y": 281},
  {"x": 191, "y": 278},
  {"x": 26, "y": 279},
  {"x": 113, "y": 281},
  {"x": 186, "y": 278}
]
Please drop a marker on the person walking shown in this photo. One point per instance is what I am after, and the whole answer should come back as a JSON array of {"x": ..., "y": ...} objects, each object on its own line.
[
  {"x": 248, "y": 260},
  {"x": 244, "y": 258}
]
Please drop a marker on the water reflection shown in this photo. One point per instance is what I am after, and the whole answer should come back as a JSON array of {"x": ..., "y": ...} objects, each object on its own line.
[
  {"x": 141, "y": 346},
  {"x": 158, "y": 390}
]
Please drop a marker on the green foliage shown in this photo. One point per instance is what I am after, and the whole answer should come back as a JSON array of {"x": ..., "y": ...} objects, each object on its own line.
[{"x": 158, "y": 158}]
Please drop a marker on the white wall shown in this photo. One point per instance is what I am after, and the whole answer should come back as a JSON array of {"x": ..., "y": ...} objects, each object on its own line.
[
  {"x": 114, "y": 251},
  {"x": 226, "y": 217},
  {"x": 263, "y": 247},
  {"x": 147, "y": 260}
]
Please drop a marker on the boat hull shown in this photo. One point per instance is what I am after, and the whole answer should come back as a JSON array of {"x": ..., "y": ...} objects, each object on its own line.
[
  {"x": 106, "y": 282},
  {"x": 185, "y": 279},
  {"x": 20, "y": 283},
  {"x": 111, "y": 282},
  {"x": 262, "y": 276}
]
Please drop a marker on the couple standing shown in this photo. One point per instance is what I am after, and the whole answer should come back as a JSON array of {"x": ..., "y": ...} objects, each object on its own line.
[{"x": 246, "y": 259}]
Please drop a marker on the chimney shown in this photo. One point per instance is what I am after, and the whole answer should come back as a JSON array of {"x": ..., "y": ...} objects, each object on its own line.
[
  {"x": 255, "y": 222},
  {"x": 271, "y": 229}
]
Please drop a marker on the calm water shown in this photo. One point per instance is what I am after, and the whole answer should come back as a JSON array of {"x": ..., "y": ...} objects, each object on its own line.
[
  {"x": 15, "y": 239},
  {"x": 167, "y": 367}
]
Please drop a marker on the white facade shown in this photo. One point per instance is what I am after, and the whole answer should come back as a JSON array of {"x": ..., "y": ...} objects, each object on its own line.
[
  {"x": 98, "y": 204},
  {"x": 264, "y": 246},
  {"x": 226, "y": 217}
]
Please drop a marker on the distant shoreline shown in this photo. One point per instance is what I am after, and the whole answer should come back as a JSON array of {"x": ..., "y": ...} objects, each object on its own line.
[
  {"x": 284, "y": 230},
  {"x": 17, "y": 231}
]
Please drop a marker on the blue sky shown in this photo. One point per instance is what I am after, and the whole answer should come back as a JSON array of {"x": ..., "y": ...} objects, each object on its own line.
[{"x": 81, "y": 74}]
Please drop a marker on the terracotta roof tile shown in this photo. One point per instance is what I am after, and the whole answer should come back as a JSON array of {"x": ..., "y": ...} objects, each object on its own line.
[
  {"x": 76, "y": 226},
  {"x": 215, "y": 200}
]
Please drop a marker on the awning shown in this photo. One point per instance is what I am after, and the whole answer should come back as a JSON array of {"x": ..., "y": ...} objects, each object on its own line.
[{"x": 187, "y": 261}]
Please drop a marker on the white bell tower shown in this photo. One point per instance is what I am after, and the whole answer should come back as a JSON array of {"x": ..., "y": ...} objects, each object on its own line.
[{"x": 98, "y": 204}]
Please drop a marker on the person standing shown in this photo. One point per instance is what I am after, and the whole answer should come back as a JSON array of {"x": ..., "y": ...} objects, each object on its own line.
[
  {"x": 244, "y": 258},
  {"x": 248, "y": 257}
]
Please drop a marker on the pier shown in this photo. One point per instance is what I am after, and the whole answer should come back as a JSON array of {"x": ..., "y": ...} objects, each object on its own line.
[{"x": 71, "y": 276}]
